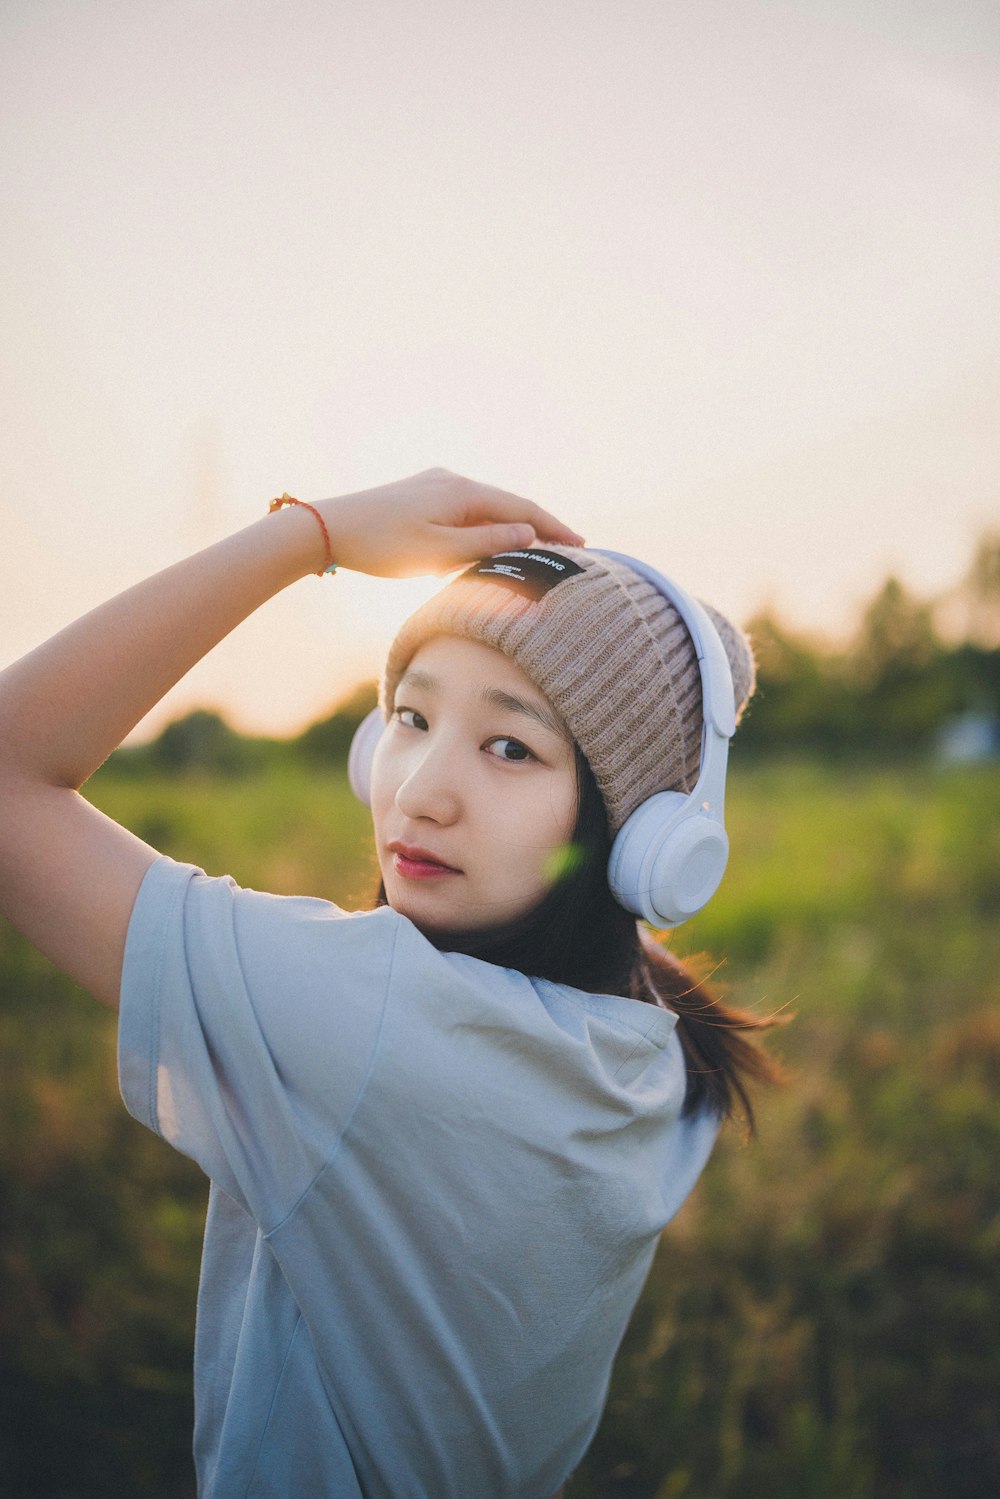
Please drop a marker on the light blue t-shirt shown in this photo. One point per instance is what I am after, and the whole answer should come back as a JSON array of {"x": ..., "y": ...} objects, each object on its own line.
[{"x": 437, "y": 1187}]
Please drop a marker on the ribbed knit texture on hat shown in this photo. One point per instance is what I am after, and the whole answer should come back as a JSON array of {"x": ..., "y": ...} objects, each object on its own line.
[{"x": 612, "y": 656}]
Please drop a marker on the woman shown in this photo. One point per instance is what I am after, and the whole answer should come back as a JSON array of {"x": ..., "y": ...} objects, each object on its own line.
[{"x": 443, "y": 1135}]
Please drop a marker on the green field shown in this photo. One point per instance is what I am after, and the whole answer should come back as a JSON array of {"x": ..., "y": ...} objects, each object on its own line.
[{"x": 821, "y": 1321}]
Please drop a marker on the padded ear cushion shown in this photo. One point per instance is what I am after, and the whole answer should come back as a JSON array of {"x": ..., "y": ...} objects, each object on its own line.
[
  {"x": 668, "y": 860},
  {"x": 359, "y": 758}
]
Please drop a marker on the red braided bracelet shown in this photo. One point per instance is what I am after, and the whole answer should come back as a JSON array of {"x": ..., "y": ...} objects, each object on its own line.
[{"x": 329, "y": 566}]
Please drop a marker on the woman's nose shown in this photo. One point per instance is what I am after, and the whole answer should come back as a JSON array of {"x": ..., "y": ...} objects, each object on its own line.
[{"x": 430, "y": 789}]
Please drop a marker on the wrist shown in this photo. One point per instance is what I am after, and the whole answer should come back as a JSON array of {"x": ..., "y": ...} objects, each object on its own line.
[{"x": 320, "y": 532}]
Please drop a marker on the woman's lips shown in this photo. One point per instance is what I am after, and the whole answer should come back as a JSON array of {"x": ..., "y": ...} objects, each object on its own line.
[{"x": 418, "y": 864}]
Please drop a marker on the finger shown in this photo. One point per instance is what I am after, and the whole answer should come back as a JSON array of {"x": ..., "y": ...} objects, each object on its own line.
[
  {"x": 551, "y": 529},
  {"x": 500, "y": 504},
  {"x": 468, "y": 543}
]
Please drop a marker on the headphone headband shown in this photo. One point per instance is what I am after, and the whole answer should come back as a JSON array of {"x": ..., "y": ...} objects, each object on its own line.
[
  {"x": 669, "y": 857},
  {"x": 718, "y": 702}
]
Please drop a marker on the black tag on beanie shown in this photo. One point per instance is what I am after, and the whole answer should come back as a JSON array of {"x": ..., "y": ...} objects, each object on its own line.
[{"x": 530, "y": 572}]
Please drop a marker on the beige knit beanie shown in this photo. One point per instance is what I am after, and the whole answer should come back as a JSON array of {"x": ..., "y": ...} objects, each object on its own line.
[{"x": 609, "y": 652}]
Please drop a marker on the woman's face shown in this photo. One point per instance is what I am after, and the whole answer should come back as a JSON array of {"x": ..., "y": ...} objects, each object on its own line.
[{"x": 476, "y": 770}]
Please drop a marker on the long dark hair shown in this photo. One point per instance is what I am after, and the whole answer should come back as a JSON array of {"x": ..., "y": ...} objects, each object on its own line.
[{"x": 579, "y": 935}]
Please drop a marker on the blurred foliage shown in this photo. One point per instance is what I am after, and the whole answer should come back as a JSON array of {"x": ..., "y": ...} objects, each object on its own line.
[
  {"x": 199, "y": 743},
  {"x": 821, "y": 1316},
  {"x": 977, "y": 596},
  {"x": 328, "y": 741},
  {"x": 890, "y": 690},
  {"x": 203, "y": 742}
]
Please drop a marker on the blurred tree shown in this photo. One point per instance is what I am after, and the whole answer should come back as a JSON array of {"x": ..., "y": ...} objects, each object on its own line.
[
  {"x": 896, "y": 637},
  {"x": 802, "y": 702},
  {"x": 202, "y": 740},
  {"x": 980, "y": 591},
  {"x": 899, "y": 666},
  {"x": 329, "y": 740}
]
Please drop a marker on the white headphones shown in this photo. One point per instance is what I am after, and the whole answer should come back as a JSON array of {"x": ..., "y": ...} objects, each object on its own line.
[{"x": 668, "y": 859}]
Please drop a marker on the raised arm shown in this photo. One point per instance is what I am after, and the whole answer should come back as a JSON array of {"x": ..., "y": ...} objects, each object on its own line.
[{"x": 68, "y": 874}]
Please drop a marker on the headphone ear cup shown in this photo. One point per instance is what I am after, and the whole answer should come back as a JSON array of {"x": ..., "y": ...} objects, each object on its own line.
[
  {"x": 668, "y": 860},
  {"x": 361, "y": 754},
  {"x": 641, "y": 833}
]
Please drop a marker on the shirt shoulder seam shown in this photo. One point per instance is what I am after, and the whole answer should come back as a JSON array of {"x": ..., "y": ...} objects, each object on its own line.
[
  {"x": 176, "y": 896},
  {"x": 362, "y": 1090}
]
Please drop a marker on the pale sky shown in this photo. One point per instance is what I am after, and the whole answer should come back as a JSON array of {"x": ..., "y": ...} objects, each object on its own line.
[{"x": 716, "y": 282}]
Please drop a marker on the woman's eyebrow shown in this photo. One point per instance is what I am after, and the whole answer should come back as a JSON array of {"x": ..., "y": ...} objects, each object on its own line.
[
  {"x": 511, "y": 704},
  {"x": 419, "y": 678},
  {"x": 495, "y": 697}
]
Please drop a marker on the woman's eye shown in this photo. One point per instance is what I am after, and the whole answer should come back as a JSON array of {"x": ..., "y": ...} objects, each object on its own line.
[
  {"x": 510, "y": 749},
  {"x": 401, "y": 715}
]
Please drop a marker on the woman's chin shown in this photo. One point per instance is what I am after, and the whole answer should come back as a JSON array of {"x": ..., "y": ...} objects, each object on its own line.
[
  {"x": 435, "y": 919},
  {"x": 421, "y": 907}
]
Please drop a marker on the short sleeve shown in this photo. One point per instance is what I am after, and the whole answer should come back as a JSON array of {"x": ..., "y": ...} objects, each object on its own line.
[{"x": 249, "y": 1026}]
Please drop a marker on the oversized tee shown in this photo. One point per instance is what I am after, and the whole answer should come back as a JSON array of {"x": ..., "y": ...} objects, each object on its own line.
[{"x": 437, "y": 1187}]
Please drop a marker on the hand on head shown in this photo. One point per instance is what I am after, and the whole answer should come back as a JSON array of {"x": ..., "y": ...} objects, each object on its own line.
[{"x": 434, "y": 522}]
